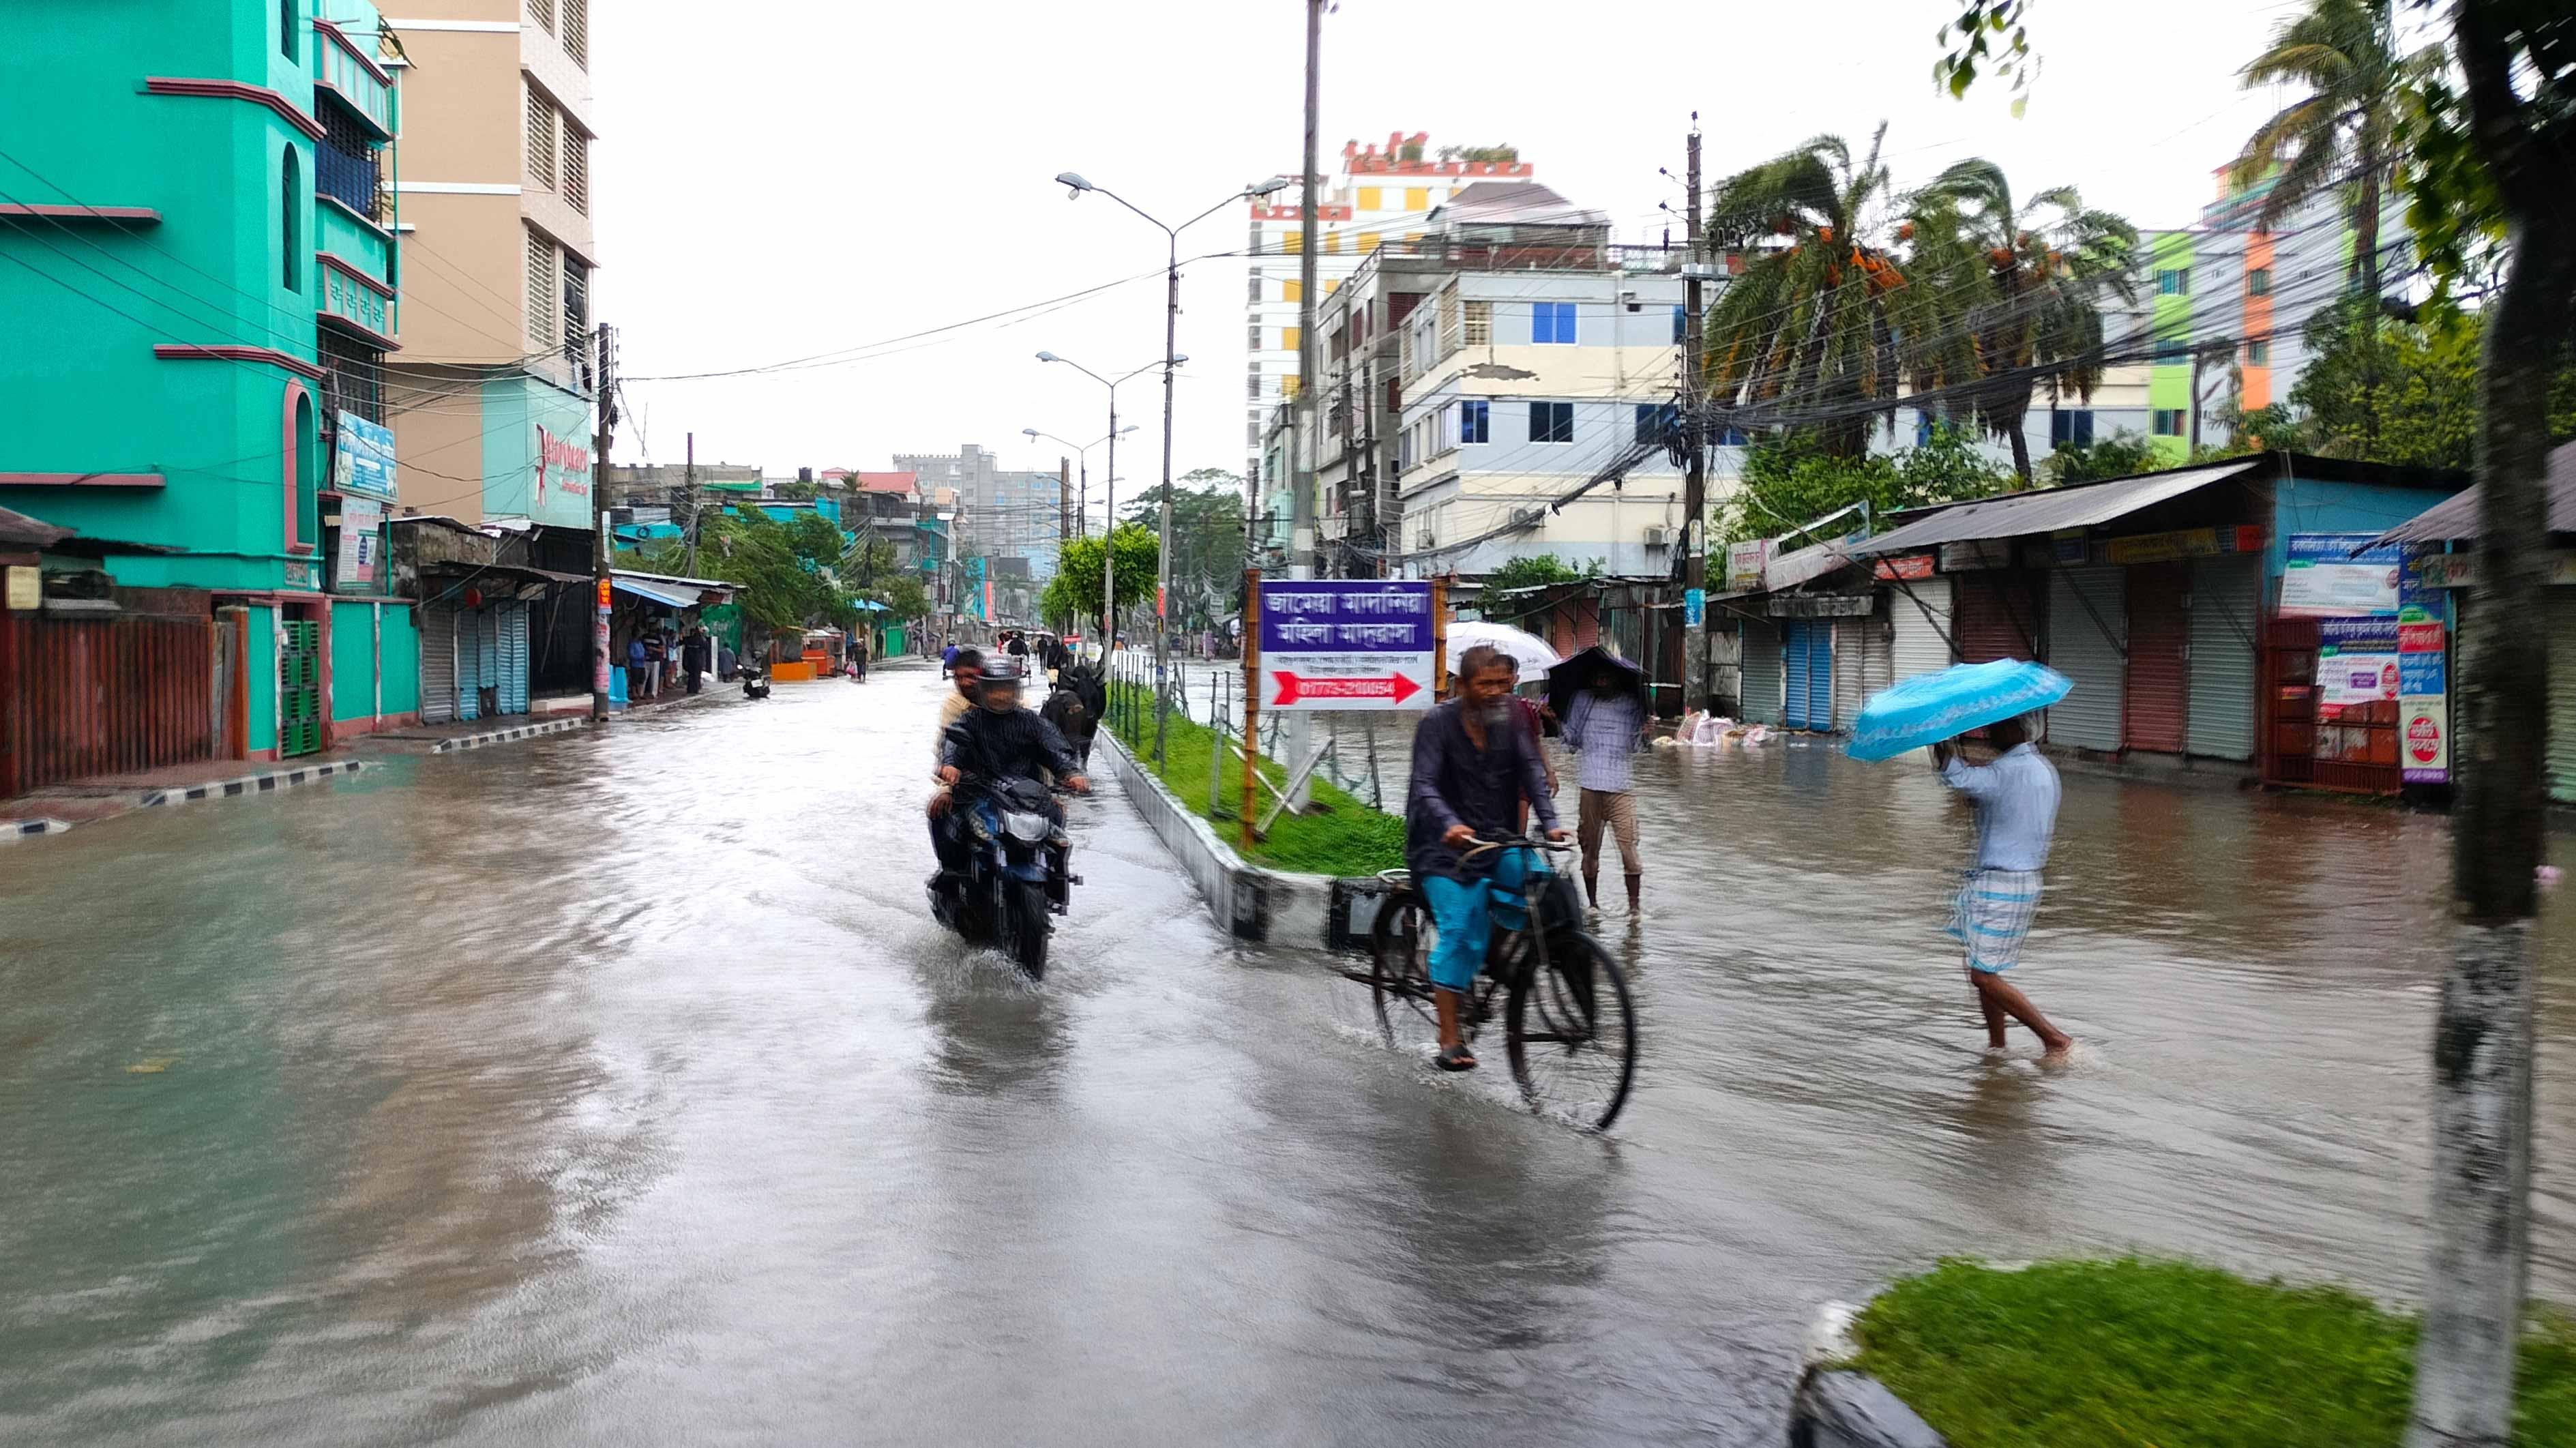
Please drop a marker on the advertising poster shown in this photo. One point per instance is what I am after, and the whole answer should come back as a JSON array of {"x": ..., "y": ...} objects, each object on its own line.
[
  {"x": 363, "y": 459},
  {"x": 362, "y": 537},
  {"x": 2424, "y": 740},
  {"x": 2356, "y": 661},
  {"x": 2324, "y": 578},
  {"x": 1342, "y": 644},
  {"x": 2423, "y": 672}
]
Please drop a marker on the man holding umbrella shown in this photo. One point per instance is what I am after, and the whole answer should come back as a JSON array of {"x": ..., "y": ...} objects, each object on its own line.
[
  {"x": 2016, "y": 800},
  {"x": 1602, "y": 723}
]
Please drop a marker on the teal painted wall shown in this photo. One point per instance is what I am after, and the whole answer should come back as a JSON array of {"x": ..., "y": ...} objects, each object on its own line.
[
  {"x": 402, "y": 660},
  {"x": 260, "y": 644},
  {"x": 353, "y": 660}
]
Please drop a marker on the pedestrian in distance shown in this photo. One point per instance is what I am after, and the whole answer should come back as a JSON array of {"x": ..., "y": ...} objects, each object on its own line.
[
  {"x": 693, "y": 657},
  {"x": 635, "y": 689},
  {"x": 656, "y": 649},
  {"x": 2016, "y": 800},
  {"x": 1475, "y": 766},
  {"x": 947, "y": 660},
  {"x": 859, "y": 657},
  {"x": 1602, "y": 726}
]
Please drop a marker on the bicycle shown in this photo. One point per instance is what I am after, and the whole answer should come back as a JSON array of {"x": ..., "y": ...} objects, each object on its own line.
[{"x": 1569, "y": 1029}]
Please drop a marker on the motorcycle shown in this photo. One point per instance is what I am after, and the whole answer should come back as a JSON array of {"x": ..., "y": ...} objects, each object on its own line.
[
  {"x": 1016, "y": 878},
  {"x": 755, "y": 679}
]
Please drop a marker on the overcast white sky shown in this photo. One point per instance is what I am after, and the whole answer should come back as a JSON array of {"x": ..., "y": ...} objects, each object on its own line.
[{"x": 791, "y": 177}]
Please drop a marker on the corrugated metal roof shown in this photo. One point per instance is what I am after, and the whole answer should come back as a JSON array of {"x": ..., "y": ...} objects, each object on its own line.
[
  {"x": 2456, "y": 517},
  {"x": 2017, "y": 514}
]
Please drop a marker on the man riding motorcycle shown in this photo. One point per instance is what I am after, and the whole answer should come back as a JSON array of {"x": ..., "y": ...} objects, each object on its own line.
[{"x": 996, "y": 740}]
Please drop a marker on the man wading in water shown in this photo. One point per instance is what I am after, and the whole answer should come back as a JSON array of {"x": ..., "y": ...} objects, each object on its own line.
[{"x": 2016, "y": 800}]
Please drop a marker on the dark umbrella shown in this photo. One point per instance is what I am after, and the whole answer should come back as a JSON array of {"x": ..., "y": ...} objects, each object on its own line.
[{"x": 1575, "y": 675}]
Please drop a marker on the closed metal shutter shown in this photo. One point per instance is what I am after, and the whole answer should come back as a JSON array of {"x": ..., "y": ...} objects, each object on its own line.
[
  {"x": 437, "y": 665},
  {"x": 2223, "y": 600},
  {"x": 1919, "y": 611},
  {"x": 1846, "y": 688},
  {"x": 514, "y": 658},
  {"x": 1793, "y": 709},
  {"x": 1763, "y": 672},
  {"x": 1997, "y": 617},
  {"x": 2089, "y": 612},
  {"x": 1864, "y": 664},
  {"x": 2159, "y": 641},
  {"x": 469, "y": 666},
  {"x": 2560, "y": 616}
]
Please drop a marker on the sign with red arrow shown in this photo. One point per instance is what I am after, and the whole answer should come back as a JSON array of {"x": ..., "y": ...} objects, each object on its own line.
[
  {"x": 1345, "y": 644},
  {"x": 1385, "y": 691}
]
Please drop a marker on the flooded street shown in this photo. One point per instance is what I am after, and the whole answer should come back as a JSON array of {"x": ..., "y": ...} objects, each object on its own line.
[{"x": 618, "y": 1088}]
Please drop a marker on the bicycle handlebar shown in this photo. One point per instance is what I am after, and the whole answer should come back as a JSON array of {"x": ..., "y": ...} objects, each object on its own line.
[{"x": 1530, "y": 842}]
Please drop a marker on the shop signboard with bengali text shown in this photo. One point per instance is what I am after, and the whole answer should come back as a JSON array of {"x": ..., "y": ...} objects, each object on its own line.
[
  {"x": 1911, "y": 566},
  {"x": 362, "y": 462},
  {"x": 2182, "y": 543},
  {"x": 2326, "y": 578},
  {"x": 2356, "y": 661},
  {"x": 362, "y": 539},
  {"x": 2423, "y": 671},
  {"x": 1346, "y": 644}
]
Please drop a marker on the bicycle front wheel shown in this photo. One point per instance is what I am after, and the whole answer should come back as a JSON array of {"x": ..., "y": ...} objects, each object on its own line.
[
  {"x": 1400, "y": 946},
  {"x": 1572, "y": 1032}
]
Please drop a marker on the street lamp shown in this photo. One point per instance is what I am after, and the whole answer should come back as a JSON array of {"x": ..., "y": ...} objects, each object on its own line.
[
  {"x": 1082, "y": 455},
  {"x": 1109, "y": 490},
  {"x": 1075, "y": 185}
]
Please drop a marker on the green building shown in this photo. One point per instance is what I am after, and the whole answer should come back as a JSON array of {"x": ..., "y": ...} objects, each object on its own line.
[{"x": 201, "y": 284}]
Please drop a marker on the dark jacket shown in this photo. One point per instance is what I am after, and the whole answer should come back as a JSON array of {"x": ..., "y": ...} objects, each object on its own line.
[
  {"x": 1016, "y": 745},
  {"x": 1454, "y": 783}
]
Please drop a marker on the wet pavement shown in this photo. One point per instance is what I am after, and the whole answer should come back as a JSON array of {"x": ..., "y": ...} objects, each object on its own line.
[{"x": 615, "y": 1087}]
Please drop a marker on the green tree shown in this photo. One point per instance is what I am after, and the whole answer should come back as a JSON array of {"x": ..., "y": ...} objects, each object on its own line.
[
  {"x": 2123, "y": 454},
  {"x": 1793, "y": 480},
  {"x": 2346, "y": 134},
  {"x": 1537, "y": 570},
  {"x": 2035, "y": 315},
  {"x": 1207, "y": 543},
  {"x": 1073, "y": 595},
  {"x": 2408, "y": 392}
]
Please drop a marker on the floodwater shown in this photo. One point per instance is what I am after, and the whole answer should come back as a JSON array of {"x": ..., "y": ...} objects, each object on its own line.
[{"x": 616, "y": 1088}]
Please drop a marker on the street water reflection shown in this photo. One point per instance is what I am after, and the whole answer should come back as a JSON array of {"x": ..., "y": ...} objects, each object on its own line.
[{"x": 617, "y": 1089}]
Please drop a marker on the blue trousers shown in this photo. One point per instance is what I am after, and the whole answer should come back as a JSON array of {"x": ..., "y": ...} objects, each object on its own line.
[{"x": 1463, "y": 909}]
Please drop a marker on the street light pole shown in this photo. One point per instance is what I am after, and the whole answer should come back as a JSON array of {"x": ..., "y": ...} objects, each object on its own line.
[{"x": 1109, "y": 485}]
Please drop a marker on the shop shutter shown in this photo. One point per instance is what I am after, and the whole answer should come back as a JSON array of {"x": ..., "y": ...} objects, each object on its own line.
[
  {"x": 1820, "y": 676},
  {"x": 1919, "y": 611},
  {"x": 437, "y": 664},
  {"x": 514, "y": 658},
  {"x": 1846, "y": 685},
  {"x": 1863, "y": 665},
  {"x": 469, "y": 666},
  {"x": 1763, "y": 674},
  {"x": 2088, "y": 611},
  {"x": 2159, "y": 643},
  {"x": 1997, "y": 617},
  {"x": 1793, "y": 710},
  {"x": 2223, "y": 601},
  {"x": 2561, "y": 620}
]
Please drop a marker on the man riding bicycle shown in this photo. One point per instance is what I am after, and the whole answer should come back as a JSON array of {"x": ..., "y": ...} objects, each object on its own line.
[{"x": 1472, "y": 769}]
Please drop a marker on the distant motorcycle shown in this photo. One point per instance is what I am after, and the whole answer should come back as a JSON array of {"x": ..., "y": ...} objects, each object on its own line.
[
  {"x": 1017, "y": 877},
  {"x": 755, "y": 679},
  {"x": 1076, "y": 707}
]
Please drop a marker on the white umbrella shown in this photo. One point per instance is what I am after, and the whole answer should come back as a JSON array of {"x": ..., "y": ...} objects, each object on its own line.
[{"x": 1527, "y": 649}]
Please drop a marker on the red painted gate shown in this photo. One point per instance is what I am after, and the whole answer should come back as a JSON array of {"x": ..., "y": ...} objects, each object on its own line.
[{"x": 102, "y": 695}]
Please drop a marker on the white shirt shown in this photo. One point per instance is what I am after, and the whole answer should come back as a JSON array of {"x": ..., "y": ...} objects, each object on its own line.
[{"x": 2016, "y": 798}]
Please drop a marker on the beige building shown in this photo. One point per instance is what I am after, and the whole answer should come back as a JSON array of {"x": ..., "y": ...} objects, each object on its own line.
[{"x": 491, "y": 394}]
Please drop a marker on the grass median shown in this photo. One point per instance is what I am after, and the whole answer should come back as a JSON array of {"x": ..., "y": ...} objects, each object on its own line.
[
  {"x": 1345, "y": 838},
  {"x": 2122, "y": 1353}
]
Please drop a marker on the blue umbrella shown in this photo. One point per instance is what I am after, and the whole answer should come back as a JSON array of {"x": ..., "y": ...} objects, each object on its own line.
[{"x": 1929, "y": 708}]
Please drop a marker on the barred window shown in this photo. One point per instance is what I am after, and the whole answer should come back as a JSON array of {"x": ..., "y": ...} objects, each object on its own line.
[
  {"x": 541, "y": 140},
  {"x": 356, "y": 373},
  {"x": 543, "y": 12},
  {"x": 576, "y": 31},
  {"x": 1450, "y": 325},
  {"x": 576, "y": 305},
  {"x": 576, "y": 170},
  {"x": 541, "y": 291},
  {"x": 1480, "y": 324}
]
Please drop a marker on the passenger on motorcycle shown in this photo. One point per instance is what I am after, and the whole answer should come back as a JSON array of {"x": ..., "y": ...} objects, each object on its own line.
[{"x": 996, "y": 740}]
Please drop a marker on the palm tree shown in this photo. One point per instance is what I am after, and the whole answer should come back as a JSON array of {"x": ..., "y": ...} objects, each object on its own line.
[
  {"x": 2345, "y": 132},
  {"x": 1805, "y": 334},
  {"x": 2032, "y": 285}
]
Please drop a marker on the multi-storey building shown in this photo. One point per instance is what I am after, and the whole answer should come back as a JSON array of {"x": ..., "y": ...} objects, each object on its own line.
[
  {"x": 1380, "y": 196},
  {"x": 1001, "y": 512},
  {"x": 195, "y": 198},
  {"x": 492, "y": 401}
]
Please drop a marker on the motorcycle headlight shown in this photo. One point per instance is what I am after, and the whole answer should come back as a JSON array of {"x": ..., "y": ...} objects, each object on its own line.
[{"x": 1026, "y": 826}]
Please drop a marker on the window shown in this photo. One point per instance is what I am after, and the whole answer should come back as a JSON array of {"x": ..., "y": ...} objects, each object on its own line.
[
  {"x": 541, "y": 292},
  {"x": 2173, "y": 281},
  {"x": 576, "y": 307},
  {"x": 356, "y": 373},
  {"x": 576, "y": 31},
  {"x": 1292, "y": 291},
  {"x": 290, "y": 212},
  {"x": 543, "y": 12},
  {"x": 1417, "y": 198},
  {"x": 2258, "y": 282},
  {"x": 541, "y": 140},
  {"x": 1922, "y": 429},
  {"x": 1480, "y": 324},
  {"x": 1291, "y": 385},
  {"x": 1369, "y": 198},
  {"x": 2165, "y": 422},
  {"x": 1292, "y": 241},
  {"x": 1332, "y": 285},
  {"x": 2258, "y": 354},
  {"x": 1681, "y": 324},
  {"x": 1551, "y": 322},
  {"x": 1289, "y": 337},
  {"x": 2070, "y": 428},
  {"x": 1551, "y": 422},
  {"x": 344, "y": 162},
  {"x": 1475, "y": 421},
  {"x": 576, "y": 170},
  {"x": 1252, "y": 337},
  {"x": 1658, "y": 421},
  {"x": 1367, "y": 242},
  {"x": 1332, "y": 241},
  {"x": 2171, "y": 350},
  {"x": 286, "y": 18}
]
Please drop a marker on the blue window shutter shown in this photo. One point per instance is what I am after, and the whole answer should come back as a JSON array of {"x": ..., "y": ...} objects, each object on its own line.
[{"x": 1680, "y": 322}]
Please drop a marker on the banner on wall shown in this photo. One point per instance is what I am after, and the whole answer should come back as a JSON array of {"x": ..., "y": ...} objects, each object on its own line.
[
  {"x": 2325, "y": 578},
  {"x": 362, "y": 535},
  {"x": 2356, "y": 661},
  {"x": 2423, "y": 671},
  {"x": 363, "y": 459}
]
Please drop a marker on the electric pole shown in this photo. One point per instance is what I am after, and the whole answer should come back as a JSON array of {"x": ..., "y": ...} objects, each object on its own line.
[
  {"x": 689, "y": 471},
  {"x": 601, "y": 542},
  {"x": 1301, "y": 451},
  {"x": 1695, "y": 465}
]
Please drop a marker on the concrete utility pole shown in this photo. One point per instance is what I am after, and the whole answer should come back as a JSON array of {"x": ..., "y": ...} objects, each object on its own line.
[
  {"x": 1063, "y": 499},
  {"x": 1297, "y": 737},
  {"x": 689, "y": 471},
  {"x": 1695, "y": 466},
  {"x": 600, "y": 542}
]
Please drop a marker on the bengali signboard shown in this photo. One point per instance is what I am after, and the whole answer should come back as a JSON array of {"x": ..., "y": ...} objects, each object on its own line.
[
  {"x": 1346, "y": 644},
  {"x": 2325, "y": 578},
  {"x": 363, "y": 459},
  {"x": 362, "y": 537},
  {"x": 2423, "y": 671},
  {"x": 2356, "y": 661}
]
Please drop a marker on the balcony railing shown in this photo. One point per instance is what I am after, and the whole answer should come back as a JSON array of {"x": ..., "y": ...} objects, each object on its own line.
[
  {"x": 350, "y": 74},
  {"x": 353, "y": 179}
]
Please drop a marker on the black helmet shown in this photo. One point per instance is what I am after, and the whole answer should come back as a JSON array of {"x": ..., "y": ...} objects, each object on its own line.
[{"x": 1003, "y": 669}]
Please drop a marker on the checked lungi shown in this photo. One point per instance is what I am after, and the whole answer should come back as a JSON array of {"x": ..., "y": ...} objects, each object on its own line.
[{"x": 1992, "y": 916}]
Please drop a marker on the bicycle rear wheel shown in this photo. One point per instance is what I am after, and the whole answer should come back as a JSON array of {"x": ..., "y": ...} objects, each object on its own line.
[
  {"x": 1571, "y": 1031},
  {"x": 1400, "y": 946}
]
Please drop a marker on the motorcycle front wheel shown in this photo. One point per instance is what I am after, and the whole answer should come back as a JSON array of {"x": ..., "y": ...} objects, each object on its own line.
[{"x": 1025, "y": 926}]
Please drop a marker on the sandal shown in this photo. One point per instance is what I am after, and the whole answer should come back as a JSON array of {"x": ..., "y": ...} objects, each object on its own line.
[{"x": 1456, "y": 1058}]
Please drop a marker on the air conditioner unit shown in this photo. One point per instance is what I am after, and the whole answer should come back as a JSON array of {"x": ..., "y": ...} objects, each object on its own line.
[{"x": 1659, "y": 536}]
